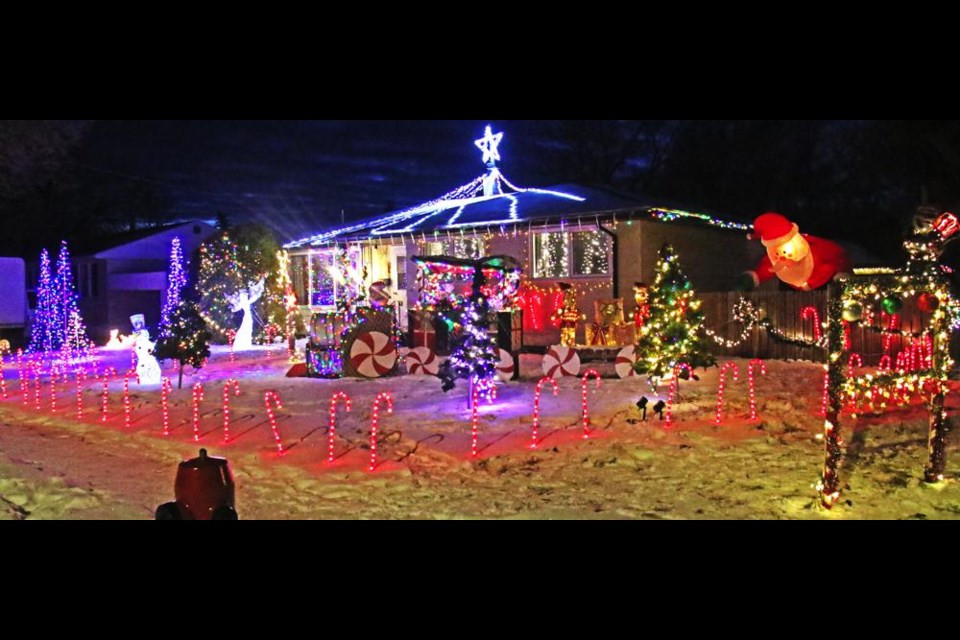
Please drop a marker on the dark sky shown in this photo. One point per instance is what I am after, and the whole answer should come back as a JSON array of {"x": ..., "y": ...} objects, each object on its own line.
[{"x": 296, "y": 175}]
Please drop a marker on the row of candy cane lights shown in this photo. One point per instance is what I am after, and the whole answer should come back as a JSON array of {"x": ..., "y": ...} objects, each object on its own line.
[{"x": 272, "y": 401}]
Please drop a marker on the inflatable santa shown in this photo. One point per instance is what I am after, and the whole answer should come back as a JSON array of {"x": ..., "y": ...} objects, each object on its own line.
[{"x": 804, "y": 262}]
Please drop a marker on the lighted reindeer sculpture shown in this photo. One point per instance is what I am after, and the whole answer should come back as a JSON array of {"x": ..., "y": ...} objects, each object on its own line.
[
  {"x": 923, "y": 282},
  {"x": 242, "y": 300}
]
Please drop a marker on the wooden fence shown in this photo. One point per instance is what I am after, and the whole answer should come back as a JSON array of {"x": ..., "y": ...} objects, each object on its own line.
[{"x": 785, "y": 311}]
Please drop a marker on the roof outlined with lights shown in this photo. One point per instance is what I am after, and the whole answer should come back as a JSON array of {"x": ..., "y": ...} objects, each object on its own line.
[{"x": 492, "y": 202}]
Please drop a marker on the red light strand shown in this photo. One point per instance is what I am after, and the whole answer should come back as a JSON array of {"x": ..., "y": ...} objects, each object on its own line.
[
  {"x": 332, "y": 426},
  {"x": 270, "y": 398},
  {"x": 230, "y": 386},
  {"x": 854, "y": 358},
  {"x": 126, "y": 396},
  {"x": 811, "y": 312},
  {"x": 826, "y": 393},
  {"x": 729, "y": 366},
  {"x": 165, "y": 388},
  {"x": 3, "y": 382},
  {"x": 584, "y": 402},
  {"x": 536, "y": 408},
  {"x": 752, "y": 391},
  {"x": 22, "y": 374},
  {"x": 886, "y": 362},
  {"x": 231, "y": 336},
  {"x": 35, "y": 369},
  {"x": 673, "y": 390},
  {"x": 81, "y": 378},
  {"x": 197, "y": 398},
  {"x": 54, "y": 373},
  {"x": 108, "y": 374},
  {"x": 374, "y": 425}
]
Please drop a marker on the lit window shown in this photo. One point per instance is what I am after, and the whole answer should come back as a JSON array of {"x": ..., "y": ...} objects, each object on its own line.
[
  {"x": 333, "y": 275},
  {"x": 562, "y": 254}
]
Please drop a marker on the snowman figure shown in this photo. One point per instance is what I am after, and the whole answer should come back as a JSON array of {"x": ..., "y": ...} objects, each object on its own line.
[{"x": 148, "y": 370}]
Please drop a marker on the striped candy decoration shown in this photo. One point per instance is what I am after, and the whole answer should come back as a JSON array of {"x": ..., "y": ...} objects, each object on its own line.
[
  {"x": 625, "y": 361},
  {"x": 422, "y": 362},
  {"x": 506, "y": 367},
  {"x": 561, "y": 362},
  {"x": 373, "y": 354}
]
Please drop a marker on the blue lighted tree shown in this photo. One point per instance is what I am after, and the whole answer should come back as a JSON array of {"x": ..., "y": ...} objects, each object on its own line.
[
  {"x": 41, "y": 336},
  {"x": 176, "y": 281}
]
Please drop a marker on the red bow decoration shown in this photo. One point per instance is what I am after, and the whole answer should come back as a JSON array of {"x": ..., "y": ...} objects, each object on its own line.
[{"x": 946, "y": 225}]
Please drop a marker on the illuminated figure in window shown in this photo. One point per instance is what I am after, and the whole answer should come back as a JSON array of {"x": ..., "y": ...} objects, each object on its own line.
[{"x": 568, "y": 316}]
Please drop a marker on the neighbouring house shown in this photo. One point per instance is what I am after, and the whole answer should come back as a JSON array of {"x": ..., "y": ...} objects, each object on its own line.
[
  {"x": 598, "y": 240},
  {"x": 126, "y": 274}
]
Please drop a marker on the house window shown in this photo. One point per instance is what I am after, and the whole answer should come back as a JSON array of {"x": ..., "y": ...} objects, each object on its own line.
[
  {"x": 558, "y": 254},
  {"x": 300, "y": 275},
  {"x": 465, "y": 247},
  {"x": 333, "y": 275}
]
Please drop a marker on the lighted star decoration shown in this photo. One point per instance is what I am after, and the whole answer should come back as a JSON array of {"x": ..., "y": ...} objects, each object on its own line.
[{"x": 488, "y": 144}]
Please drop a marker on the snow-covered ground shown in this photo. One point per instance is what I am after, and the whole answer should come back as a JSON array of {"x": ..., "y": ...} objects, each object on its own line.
[{"x": 55, "y": 466}]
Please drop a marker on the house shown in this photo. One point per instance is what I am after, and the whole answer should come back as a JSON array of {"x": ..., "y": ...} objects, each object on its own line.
[
  {"x": 597, "y": 240},
  {"x": 126, "y": 274}
]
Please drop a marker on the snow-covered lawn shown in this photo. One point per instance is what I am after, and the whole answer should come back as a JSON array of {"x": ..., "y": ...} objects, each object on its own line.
[{"x": 54, "y": 466}]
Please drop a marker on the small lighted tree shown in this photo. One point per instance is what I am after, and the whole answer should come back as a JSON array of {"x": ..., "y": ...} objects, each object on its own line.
[
  {"x": 187, "y": 340},
  {"x": 671, "y": 334},
  {"x": 176, "y": 281}
]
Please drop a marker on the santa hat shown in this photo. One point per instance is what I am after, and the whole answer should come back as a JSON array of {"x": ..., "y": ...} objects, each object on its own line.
[{"x": 773, "y": 229}]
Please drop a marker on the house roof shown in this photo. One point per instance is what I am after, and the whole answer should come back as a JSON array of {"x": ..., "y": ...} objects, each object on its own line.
[
  {"x": 468, "y": 208},
  {"x": 144, "y": 243}
]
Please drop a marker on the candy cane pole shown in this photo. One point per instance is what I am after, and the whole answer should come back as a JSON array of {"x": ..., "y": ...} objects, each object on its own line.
[
  {"x": 3, "y": 382},
  {"x": 35, "y": 369},
  {"x": 673, "y": 390},
  {"x": 752, "y": 389},
  {"x": 54, "y": 373},
  {"x": 229, "y": 386},
  {"x": 332, "y": 428},
  {"x": 854, "y": 358},
  {"x": 730, "y": 366},
  {"x": 231, "y": 336},
  {"x": 197, "y": 397},
  {"x": 536, "y": 408},
  {"x": 22, "y": 374},
  {"x": 811, "y": 312},
  {"x": 272, "y": 397},
  {"x": 374, "y": 420},
  {"x": 584, "y": 404}
]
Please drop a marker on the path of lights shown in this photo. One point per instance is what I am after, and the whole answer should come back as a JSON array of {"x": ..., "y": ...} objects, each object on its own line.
[
  {"x": 54, "y": 373},
  {"x": 477, "y": 390},
  {"x": 35, "y": 370}
]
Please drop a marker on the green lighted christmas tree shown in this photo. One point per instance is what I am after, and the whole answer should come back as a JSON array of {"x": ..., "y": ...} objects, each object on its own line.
[
  {"x": 671, "y": 334},
  {"x": 186, "y": 340}
]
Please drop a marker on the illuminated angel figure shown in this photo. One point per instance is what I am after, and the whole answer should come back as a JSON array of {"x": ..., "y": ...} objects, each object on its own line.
[{"x": 242, "y": 300}]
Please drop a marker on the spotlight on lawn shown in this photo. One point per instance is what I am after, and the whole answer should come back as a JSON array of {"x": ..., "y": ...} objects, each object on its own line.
[
  {"x": 658, "y": 408},
  {"x": 642, "y": 407}
]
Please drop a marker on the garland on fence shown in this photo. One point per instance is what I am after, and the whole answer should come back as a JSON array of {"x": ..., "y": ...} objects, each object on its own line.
[{"x": 746, "y": 314}]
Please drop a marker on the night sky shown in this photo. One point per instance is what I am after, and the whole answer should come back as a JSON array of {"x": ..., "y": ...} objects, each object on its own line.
[{"x": 297, "y": 175}]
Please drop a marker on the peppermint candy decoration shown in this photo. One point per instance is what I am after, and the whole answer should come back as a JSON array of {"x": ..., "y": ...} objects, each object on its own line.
[
  {"x": 422, "y": 362},
  {"x": 506, "y": 367},
  {"x": 373, "y": 354},
  {"x": 561, "y": 362},
  {"x": 625, "y": 361}
]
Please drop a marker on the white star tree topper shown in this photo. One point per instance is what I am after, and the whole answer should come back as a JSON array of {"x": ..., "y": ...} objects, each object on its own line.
[{"x": 488, "y": 145}]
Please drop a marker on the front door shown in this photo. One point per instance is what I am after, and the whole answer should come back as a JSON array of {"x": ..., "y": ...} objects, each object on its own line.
[{"x": 398, "y": 277}]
